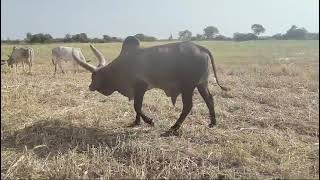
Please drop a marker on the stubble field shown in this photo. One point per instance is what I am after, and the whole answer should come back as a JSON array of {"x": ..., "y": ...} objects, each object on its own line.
[{"x": 267, "y": 125}]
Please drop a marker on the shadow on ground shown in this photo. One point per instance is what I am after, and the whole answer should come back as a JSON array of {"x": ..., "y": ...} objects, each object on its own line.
[{"x": 56, "y": 136}]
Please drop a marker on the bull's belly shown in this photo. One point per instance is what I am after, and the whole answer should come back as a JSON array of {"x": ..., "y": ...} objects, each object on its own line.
[
  {"x": 173, "y": 80},
  {"x": 169, "y": 89},
  {"x": 173, "y": 88}
]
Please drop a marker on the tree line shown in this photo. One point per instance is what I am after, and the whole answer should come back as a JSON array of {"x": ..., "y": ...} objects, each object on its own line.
[
  {"x": 209, "y": 33},
  {"x": 212, "y": 33}
]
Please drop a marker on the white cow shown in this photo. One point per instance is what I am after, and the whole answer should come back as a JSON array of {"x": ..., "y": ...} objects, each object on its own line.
[
  {"x": 65, "y": 53},
  {"x": 23, "y": 55}
]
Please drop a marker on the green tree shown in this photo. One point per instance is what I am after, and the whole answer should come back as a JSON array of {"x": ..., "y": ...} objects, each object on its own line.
[
  {"x": 296, "y": 33},
  {"x": 40, "y": 38},
  {"x": 210, "y": 31},
  {"x": 277, "y": 36},
  {"x": 185, "y": 35},
  {"x": 244, "y": 36},
  {"x": 143, "y": 37},
  {"x": 28, "y": 37},
  {"x": 82, "y": 37},
  {"x": 47, "y": 38},
  {"x": 258, "y": 29},
  {"x": 67, "y": 38},
  {"x": 107, "y": 38}
]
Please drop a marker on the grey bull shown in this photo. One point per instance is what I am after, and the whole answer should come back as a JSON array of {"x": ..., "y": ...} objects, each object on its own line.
[
  {"x": 176, "y": 68},
  {"x": 24, "y": 55}
]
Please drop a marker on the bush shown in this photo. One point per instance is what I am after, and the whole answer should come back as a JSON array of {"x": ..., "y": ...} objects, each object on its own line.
[
  {"x": 277, "y": 36},
  {"x": 244, "y": 36},
  {"x": 185, "y": 35},
  {"x": 296, "y": 33},
  {"x": 222, "y": 38},
  {"x": 143, "y": 37},
  {"x": 97, "y": 40},
  {"x": 312, "y": 36},
  {"x": 82, "y": 37},
  {"x": 39, "y": 38}
]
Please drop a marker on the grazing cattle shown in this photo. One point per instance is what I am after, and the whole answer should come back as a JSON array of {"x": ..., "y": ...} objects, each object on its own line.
[
  {"x": 176, "y": 68},
  {"x": 23, "y": 55},
  {"x": 65, "y": 53}
]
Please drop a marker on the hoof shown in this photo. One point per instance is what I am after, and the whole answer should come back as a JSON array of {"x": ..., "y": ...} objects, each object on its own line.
[
  {"x": 148, "y": 121},
  {"x": 134, "y": 124},
  {"x": 151, "y": 124},
  {"x": 211, "y": 125},
  {"x": 171, "y": 133}
]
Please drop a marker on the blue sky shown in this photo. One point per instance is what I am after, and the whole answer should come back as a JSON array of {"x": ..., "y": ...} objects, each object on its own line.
[{"x": 159, "y": 18}]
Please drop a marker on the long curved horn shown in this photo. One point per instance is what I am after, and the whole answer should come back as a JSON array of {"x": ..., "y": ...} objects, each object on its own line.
[
  {"x": 85, "y": 65},
  {"x": 99, "y": 55}
]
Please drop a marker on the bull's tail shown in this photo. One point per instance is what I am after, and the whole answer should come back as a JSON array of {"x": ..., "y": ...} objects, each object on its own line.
[{"x": 214, "y": 68}]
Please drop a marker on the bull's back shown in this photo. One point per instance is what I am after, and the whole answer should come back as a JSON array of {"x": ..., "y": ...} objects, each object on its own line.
[
  {"x": 175, "y": 65},
  {"x": 22, "y": 53},
  {"x": 62, "y": 52}
]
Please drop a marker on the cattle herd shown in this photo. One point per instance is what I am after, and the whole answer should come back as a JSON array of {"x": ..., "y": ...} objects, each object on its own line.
[
  {"x": 176, "y": 68},
  {"x": 25, "y": 55}
]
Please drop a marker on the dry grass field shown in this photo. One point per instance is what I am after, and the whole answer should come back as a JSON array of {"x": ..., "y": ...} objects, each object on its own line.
[{"x": 267, "y": 125}]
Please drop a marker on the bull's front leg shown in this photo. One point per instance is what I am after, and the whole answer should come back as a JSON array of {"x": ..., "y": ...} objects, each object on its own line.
[
  {"x": 23, "y": 66},
  {"x": 139, "y": 92},
  {"x": 30, "y": 65},
  {"x": 60, "y": 65},
  {"x": 75, "y": 67}
]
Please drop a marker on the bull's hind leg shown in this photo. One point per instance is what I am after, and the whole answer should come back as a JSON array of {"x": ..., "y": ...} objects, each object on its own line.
[
  {"x": 187, "y": 106},
  {"x": 23, "y": 66},
  {"x": 78, "y": 69},
  {"x": 207, "y": 97},
  {"x": 140, "y": 90},
  {"x": 54, "y": 62},
  {"x": 55, "y": 69},
  {"x": 60, "y": 65},
  {"x": 30, "y": 65},
  {"x": 75, "y": 67}
]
